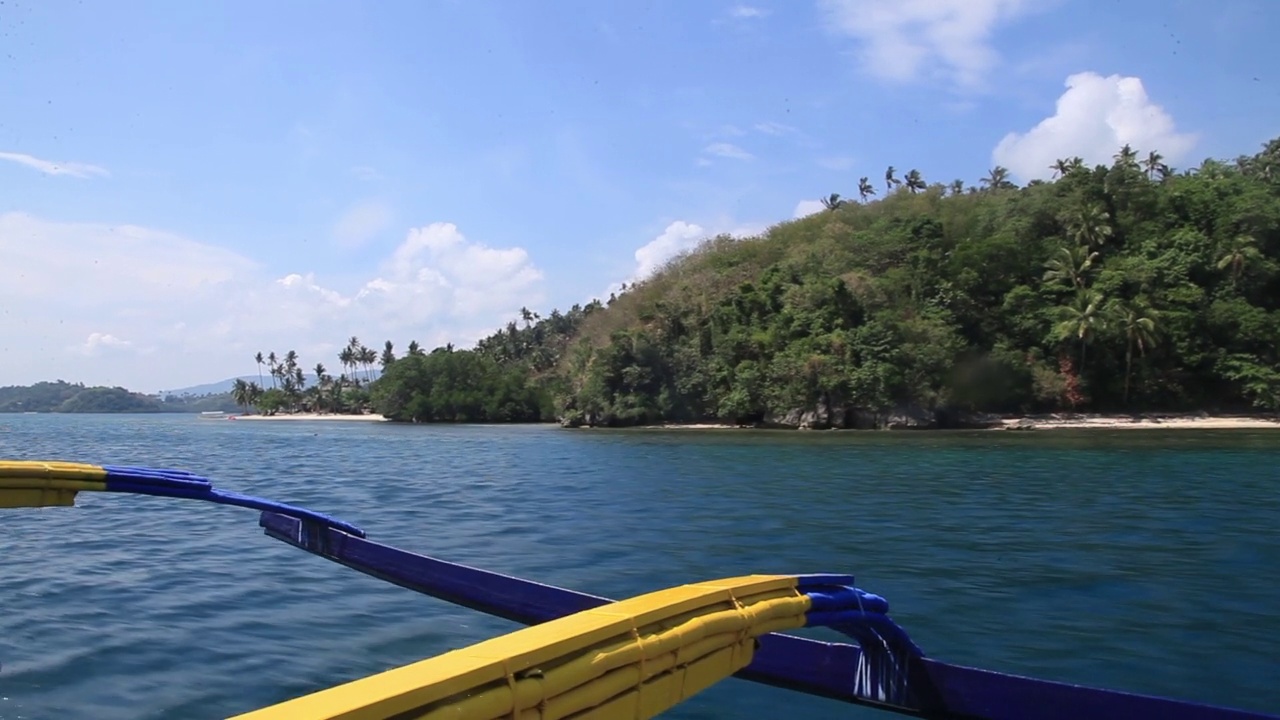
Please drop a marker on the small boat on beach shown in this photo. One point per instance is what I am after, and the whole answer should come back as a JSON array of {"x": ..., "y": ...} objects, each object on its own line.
[{"x": 587, "y": 656}]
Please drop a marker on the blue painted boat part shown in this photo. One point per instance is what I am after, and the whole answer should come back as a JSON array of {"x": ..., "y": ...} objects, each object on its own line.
[{"x": 884, "y": 670}]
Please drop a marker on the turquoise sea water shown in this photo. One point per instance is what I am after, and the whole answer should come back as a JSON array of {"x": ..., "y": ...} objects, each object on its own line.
[{"x": 1146, "y": 561}]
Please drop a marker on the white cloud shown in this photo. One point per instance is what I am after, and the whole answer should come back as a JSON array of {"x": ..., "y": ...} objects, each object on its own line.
[
  {"x": 199, "y": 312},
  {"x": 747, "y": 12},
  {"x": 905, "y": 40},
  {"x": 1094, "y": 118},
  {"x": 362, "y": 223},
  {"x": 805, "y": 208},
  {"x": 727, "y": 150},
  {"x": 54, "y": 167},
  {"x": 97, "y": 343},
  {"x": 678, "y": 237},
  {"x": 774, "y": 128}
]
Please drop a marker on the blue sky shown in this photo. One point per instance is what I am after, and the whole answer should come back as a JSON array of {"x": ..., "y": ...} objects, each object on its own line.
[{"x": 182, "y": 184}]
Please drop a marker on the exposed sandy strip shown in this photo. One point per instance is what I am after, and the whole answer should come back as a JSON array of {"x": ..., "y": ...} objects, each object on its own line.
[
  {"x": 372, "y": 417},
  {"x": 1124, "y": 422}
]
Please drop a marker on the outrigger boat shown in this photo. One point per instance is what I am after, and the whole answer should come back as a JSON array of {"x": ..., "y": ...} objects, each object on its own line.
[{"x": 586, "y": 656}]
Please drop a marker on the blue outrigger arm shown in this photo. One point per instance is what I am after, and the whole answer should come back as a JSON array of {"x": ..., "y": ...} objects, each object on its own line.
[{"x": 884, "y": 670}]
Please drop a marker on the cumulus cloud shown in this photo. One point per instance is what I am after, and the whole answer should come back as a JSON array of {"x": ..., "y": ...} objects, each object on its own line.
[
  {"x": 905, "y": 40},
  {"x": 55, "y": 167},
  {"x": 362, "y": 223},
  {"x": 97, "y": 343},
  {"x": 805, "y": 208},
  {"x": 1094, "y": 118},
  {"x": 117, "y": 292},
  {"x": 678, "y": 237}
]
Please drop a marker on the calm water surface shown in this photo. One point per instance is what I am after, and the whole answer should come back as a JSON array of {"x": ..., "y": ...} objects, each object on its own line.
[{"x": 1146, "y": 561}]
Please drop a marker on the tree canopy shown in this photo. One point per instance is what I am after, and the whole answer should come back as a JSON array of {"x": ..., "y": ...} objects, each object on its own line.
[{"x": 1123, "y": 287}]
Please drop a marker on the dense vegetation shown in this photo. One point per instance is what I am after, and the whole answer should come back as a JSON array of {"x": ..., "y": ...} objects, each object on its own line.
[
  {"x": 67, "y": 397},
  {"x": 1125, "y": 287}
]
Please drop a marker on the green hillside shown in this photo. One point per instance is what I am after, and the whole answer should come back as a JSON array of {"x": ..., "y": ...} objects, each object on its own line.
[
  {"x": 68, "y": 397},
  {"x": 1128, "y": 287},
  {"x": 65, "y": 397}
]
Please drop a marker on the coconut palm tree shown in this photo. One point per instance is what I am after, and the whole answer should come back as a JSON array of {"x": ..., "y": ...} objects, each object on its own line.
[
  {"x": 258, "y": 359},
  {"x": 997, "y": 179},
  {"x": 1060, "y": 168},
  {"x": 957, "y": 187},
  {"x": 833, "y": 202},
  {"x": 271, "y": 367},
  {"x": 414, "y": 348},
  {"x": 1127, "y": 157},
  {"x": 1154, "y": 163},
  {"x": 865, "y": 189},
  {"x": 890, "y": 181},
  {"x": 368, "y": 356},
  {"x": 1089, "y": 225},
  {"x": 914, "y": 182},
  {"x": 1240, "y": 253},
  {"x": 1070, "y": 266},
  {"x": 1137, "y": 321},
  {"x": 1082, "y": 319}
]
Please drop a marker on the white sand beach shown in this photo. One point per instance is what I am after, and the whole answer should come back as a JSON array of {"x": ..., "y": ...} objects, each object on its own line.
[
  {"x": 1070, "y": 421},
  {"x": 371, "y": 417}
]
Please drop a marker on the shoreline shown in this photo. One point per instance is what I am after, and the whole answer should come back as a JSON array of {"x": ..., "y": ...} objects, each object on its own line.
[
  {"x": 1058, "y": 421},
  {"x": 301, "y": 417}
]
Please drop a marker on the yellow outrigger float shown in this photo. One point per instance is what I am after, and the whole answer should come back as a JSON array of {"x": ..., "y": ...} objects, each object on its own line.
[{"x": 590, "y": 657}]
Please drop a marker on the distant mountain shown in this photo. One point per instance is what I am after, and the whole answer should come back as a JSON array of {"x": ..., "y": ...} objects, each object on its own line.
[
  {"x": 224, "y": 386},
  {"x": 214, "y": 388}
]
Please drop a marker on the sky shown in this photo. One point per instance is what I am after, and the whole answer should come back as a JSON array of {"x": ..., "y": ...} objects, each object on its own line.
[{"x": 183, "y": 185}]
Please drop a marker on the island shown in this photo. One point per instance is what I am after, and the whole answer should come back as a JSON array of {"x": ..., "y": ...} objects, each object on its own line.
[{"x": 1119, "y": 294}]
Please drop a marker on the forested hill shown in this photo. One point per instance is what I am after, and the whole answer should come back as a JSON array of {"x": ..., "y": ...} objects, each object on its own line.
[
  {"x": 1124, "y": 287},
  {"x": 65, "y": 397}
]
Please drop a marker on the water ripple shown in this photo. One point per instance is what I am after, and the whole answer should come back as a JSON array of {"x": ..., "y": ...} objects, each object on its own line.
[{"x": 1139, "y": 561}]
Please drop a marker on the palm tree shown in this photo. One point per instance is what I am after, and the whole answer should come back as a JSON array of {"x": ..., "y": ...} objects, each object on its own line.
[
  {"x": 997, "y": 179},
  {"x": 1127, "y": 157},
  {"x": 865, "y": 189},
  {"x": 346, "y": 356},
  {"x": 957, "y": 187},
  {"x": 368, "y": 356},
  {"x": 1241, "y": 252},
  {"x": 1060, "y": 168},
  {"x": 271, "y": 366},
  {"x": 1088, "y": 225},
  {"x": 321, "y": 380},
  {"x": 1082, "y": 320},
  {"x": 414, "y": 348},
  {"x": 240, "y": 393},
  {"x": 1153, "y": 164},
  {"x": 1138, "y": 323},
  {"x": 1070, "y": 266},
  {"x": 832, "y": 202},
  {"x": 258, "y": 359},
  {"x": 889, "y": 180},
  {"x": 388, "y": 354},
  {"x": 914, "y": 182}
]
